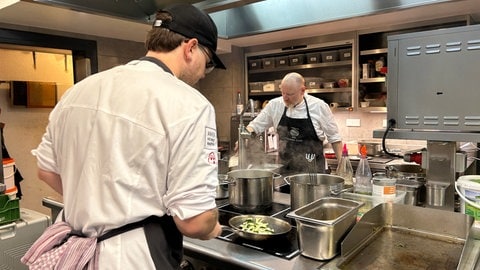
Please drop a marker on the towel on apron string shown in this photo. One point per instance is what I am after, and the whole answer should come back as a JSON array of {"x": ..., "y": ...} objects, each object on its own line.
[{"x": 59, "y": 248}]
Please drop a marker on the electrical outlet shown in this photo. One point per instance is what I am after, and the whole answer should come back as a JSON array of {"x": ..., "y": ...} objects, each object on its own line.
[{"x": 353, "y": 122}]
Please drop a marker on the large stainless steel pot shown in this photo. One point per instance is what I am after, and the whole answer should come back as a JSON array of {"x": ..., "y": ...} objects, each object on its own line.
[
  {"x": 250, "y": 190},
  {"x": 306, "y": 188}
]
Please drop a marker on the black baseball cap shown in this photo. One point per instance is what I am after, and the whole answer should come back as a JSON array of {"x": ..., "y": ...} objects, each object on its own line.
[{"x": 191, "y": 22}]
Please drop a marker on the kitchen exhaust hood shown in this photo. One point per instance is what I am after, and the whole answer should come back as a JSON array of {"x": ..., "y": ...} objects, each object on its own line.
[{"x": 239, "y": 18}]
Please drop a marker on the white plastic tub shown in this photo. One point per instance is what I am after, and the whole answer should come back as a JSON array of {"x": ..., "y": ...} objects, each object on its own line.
[{"x": 468, "y": 189}]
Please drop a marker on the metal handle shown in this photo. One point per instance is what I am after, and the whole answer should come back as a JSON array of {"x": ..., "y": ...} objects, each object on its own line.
[
  {"x": 460, "y": 194},
  {"x": 336, "y": 193},
  {"x": 11, "y": 230},
  {"x": 226, "y": 228}
]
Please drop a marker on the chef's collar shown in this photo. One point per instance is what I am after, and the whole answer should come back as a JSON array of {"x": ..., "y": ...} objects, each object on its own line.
[
  {"x": 303, "y": 99},
  {"x": 158, "y": 62}
]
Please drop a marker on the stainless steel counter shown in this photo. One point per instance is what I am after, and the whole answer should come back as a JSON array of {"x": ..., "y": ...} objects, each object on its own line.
[{"x": 222, "y": 253}]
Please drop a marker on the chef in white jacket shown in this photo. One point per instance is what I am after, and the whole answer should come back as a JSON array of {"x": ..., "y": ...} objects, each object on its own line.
[
  {"x": 303, "y": 123},
  {"x": 137, "y": 144}
]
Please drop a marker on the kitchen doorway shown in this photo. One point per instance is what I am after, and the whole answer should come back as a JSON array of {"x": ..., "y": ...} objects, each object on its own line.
[{"x": 84, "y": 52}]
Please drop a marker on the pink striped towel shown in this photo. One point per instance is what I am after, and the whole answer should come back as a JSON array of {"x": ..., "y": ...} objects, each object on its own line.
[{"x": 56, "y": 248}]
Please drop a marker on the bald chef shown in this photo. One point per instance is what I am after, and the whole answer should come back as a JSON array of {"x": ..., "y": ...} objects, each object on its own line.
[{"x": 302, "y": 122}]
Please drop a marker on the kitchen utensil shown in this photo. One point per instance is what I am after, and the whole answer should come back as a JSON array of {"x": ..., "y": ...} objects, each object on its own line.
[
  {"x": 305, "y": 189},
  {"x": 250, "y": 190},
  {"x": 312, "y": 165},
  {"x": 222, "y": 188},
  {"x": 322, "y": 224},
  {"x": 279, "y": 226}
]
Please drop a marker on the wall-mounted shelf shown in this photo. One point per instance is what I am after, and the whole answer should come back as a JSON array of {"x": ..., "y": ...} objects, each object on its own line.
[
  {"x": 374, "y": 51},
  {"x": 301, "y": 67},
  {"x": 373, "y": 85},
  {"x": 373, "y": 80},
  {"x": 332, "y": 62}
]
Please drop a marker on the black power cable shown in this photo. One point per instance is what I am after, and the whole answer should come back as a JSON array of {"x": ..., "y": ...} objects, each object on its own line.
[{"x": 390, "y": 124}]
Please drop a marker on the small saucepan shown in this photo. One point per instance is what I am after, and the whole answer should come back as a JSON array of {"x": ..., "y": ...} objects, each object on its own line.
[{"x": 280, "y": 227}]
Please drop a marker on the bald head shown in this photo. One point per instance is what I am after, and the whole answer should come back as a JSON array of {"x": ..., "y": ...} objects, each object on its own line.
[
  {"x": 293, "y": 88},
  {"x": 294, "y": 80}
]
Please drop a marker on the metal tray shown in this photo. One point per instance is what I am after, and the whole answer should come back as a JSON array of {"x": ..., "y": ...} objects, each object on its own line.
[
  {"x": 395, "y": 236},
  {"x": 322, "y": 224}
]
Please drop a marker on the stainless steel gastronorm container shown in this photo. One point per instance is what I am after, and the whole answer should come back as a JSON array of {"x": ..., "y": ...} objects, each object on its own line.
[{"x": 322, "y": 224}]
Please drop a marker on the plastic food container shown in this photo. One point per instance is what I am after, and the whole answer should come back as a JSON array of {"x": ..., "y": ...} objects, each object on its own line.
[
  {"x": 329, "y": 56},
  {"x": 322, "y": 224},
  {"x": 345, "y": 54},
  {"x": 255, "y": 64},
  {"x": 268, "y": 62},
  {"x": 313, "y": 82},
  {"x": 313, "y": 58},
  {"x": 9, "y": 209},
  {"x": 281, "y": 61},
  {"x": 296, "y": 59},
  {"x": 328, "y": 84},
  {"x": 468, "y": 188},
  {"x": 255, "y": 86}
]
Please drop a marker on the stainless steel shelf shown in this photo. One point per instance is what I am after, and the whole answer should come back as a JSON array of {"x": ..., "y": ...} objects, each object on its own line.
[
  {"x": 373, "y": 109},
  {"x": 310, "y": 91},
  {"x": 373, "y": 80},
  {"x": 299, "y": 67},
  {"x": 374, "y": 51}
]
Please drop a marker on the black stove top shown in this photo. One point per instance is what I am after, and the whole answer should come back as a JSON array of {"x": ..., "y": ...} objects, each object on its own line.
[{"x": 285, "y": 246}]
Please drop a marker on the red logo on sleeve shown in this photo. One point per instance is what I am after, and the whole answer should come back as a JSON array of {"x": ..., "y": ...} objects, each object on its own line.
[{"x": 212, "y": 158}]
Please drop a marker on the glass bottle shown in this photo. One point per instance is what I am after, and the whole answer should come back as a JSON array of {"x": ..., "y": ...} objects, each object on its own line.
[
  {"x": 363, "y": 175},
  {"x": 344, "y": 168},
  {"x": 239, "y": 103}
]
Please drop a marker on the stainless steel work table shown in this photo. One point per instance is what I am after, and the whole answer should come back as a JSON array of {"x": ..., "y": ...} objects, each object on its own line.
[{"x": 226, "y": 255}]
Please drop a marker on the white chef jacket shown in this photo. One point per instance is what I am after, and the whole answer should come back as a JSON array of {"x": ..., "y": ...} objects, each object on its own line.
[
  {"x": 128, "y": 143},
  {"x": 320, "y": 113}
]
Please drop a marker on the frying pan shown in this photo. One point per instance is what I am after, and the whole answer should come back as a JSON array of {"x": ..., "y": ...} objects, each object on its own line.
[{"x": 279, "y": 226}]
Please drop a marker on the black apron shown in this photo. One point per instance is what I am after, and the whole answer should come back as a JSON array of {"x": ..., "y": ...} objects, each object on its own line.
[{"x": 297, "y": 137}]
